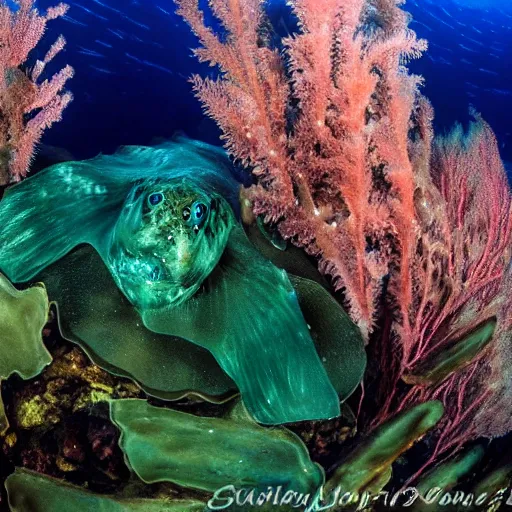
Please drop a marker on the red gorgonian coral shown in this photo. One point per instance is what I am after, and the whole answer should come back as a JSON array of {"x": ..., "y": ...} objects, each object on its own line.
[
  {"x": 27, "y": 107},
  {"x": 415, "y": 233}
]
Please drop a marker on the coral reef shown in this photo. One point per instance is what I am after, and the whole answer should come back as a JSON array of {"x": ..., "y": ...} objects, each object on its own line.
[
  {"x": 175, "y": 290},
  {"x": 28, "y": 106},
  {"x": 414, "y": 233}
]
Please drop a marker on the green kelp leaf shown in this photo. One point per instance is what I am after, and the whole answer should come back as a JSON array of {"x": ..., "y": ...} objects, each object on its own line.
[
  {"x": 448, "y": 474},
  {"x": 208, "y": 453},
  {"x": 338, "y": 340},
  {"x": 372, "y": 458},
  {"x": 435, "y": 369},
  {"x": 499, "y": 478},
  {"x": 23, "y": 314},
  {"x": 32, "y": 492},
  {"x": 96, "y": 315},
  {"x": 249, "y": 317}
]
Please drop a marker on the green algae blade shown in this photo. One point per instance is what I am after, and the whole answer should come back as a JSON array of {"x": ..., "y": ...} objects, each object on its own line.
[
  {"x": 209, "y": 453},
  {"x": 459, "y": 355},
  {"x": 23, "y": 314},
  {"x": 373, "y": 457},
  {"x": 31, "y": 492},
  {"x": 94, "y": 313},
  {"x": 449, "y": 473},
  {"x": 249, "y": 317},
  {"x": 498, "y": 478}
]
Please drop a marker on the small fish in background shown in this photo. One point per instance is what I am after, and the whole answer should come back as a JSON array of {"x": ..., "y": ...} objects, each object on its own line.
[
  {"x": 102, "y": 70},
  {"x": 90, "y": 53},
  {"x": 149, "y": 64},
  {"x": 474, "y": 41},
  {"x": 467, "y": 49},
  {"x": 414, "y": 22},
  {"x": 102, "y": 43},
  {"x": 443, "y": 48},
  {"x": 488, "y": 72},
  {"x": 499, "y": 92},
  {"x": 141, "y": 25},
  {"x": 92, "y": 13},
  {"x": 163, "y": 10},
  {"x": 107, "y": 6},
  {"x": 471, "y": 85},
  {"x": 69, "y": 19},
  {"x": 117, "y": 33}
]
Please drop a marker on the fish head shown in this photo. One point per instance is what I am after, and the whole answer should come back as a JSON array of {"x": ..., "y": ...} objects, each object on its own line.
[{"x": 169, "y": 237}]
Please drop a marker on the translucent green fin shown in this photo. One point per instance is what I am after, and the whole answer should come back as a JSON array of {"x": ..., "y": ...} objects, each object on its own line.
[
  {"x": 46, "y": 215},
  {"x": 248, "y": 316}
]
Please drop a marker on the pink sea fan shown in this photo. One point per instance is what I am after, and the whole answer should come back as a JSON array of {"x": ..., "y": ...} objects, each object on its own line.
[
  {"x": 461, "y": 275},
  {"x": 27, "y": 107}
]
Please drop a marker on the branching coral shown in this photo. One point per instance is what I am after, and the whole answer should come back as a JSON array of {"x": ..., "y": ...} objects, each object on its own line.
[
  {"x": 27, "y": 106},
  {"x": 340, "y": 179},
  {"x": 416, "y": 234}
]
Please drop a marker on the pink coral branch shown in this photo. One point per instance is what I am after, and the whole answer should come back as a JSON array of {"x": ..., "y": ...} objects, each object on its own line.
[{"x": 21, "y": 96}]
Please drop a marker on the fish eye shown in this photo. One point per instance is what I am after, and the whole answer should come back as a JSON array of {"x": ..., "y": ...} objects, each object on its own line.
[
  {"x": 155, "y": 199},
  {"x": 199, "y": 211}
]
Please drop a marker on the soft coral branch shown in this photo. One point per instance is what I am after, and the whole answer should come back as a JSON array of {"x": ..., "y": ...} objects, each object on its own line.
[
  {"x": 343, "y": 82},
  {"x": 27, "y": 107}
]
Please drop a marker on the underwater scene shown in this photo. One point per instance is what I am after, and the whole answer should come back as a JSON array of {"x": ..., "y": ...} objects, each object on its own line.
[{"x": 255, "y": 255}]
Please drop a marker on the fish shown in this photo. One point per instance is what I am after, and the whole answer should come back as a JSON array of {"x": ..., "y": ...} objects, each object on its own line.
[
  {"x": 89, "y": 11},
  {"x": 165, "y": 222},
  {"x": 106, "y": 45},
  {"x": 149, "y": 227},
  {"x": 102, "y": 70},
  {"x": 118, "y": 34},
  {"x": 167, "y": 240},
  {"x": 90, "y": 53}
]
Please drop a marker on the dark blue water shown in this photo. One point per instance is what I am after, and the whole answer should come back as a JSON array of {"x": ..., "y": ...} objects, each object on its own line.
[{"x": 133, "y": 59}]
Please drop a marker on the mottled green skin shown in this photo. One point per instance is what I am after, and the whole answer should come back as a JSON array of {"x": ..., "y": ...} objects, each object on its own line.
[{"x": 158, "y": 257}]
